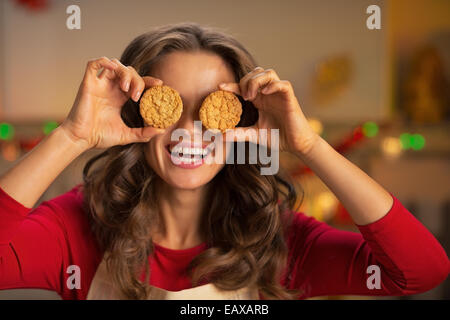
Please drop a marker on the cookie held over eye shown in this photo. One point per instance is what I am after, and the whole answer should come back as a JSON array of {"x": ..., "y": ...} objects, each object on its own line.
[
  {"x": 160, "y": 106},
  {"x": 220, "y": 110}
]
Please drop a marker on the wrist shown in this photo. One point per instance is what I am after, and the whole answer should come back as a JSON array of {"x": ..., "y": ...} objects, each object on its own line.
[
  {"x": 308, "y": 146},
  {"x": 68, "y": 139}
]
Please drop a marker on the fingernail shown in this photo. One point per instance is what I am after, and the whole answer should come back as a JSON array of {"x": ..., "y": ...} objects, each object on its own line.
[
  {"x": 222, "y": 85},
  {"x": 137, "y": 95},
  {"x": 127, "y": 86}
]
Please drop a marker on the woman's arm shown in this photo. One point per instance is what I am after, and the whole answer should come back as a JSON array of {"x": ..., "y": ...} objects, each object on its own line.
[
  {"x": 31, "y": 176},
  {"x": 395, "y": 255},
  {"x": 410, "y": 259},
  {"x": 278, "y": 108},
  {"x": 37, "y": 246},
  {"x": 332, "y": 261},
  {"x": 365, "y": 200},
  {"x": 93, "y": 122}
]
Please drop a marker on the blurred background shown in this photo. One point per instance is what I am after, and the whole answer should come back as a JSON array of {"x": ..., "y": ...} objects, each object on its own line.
[{"x": 380, "y": 96}]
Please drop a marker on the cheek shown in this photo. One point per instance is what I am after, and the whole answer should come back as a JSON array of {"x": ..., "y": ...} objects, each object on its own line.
[
  {"x": 149, "y": 158},
  {"x": 215, "y": 168},
  {"x": 152, "y": 153}
]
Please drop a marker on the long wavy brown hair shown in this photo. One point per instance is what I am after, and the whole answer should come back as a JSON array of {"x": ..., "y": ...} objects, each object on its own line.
[{"x": 247, "y": 214}]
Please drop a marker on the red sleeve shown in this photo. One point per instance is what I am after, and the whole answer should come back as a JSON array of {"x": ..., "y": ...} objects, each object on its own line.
[
  {"x": 327, "y": 261},
  {"x": 38, "y": 245}
]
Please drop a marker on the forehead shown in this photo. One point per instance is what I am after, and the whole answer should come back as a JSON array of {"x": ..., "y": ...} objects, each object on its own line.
[{"x": 193, "y": 73}]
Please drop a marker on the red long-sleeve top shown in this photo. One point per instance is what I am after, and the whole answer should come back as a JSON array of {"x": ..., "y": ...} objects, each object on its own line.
[{"x": 38, "y": 245}]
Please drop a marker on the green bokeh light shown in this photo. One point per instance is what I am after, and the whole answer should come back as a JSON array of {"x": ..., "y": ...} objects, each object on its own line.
[
  {"x": 405, "y": 140},
  {"x": 50, "y": 126},
  {"x": 6, "y": 131},
  {"x": 417, "y": 141},
  {"x": 370, "y": 129},
  {"x": 412, "y": 141}
]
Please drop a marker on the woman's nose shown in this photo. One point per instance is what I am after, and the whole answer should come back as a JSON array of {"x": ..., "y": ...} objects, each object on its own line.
[{"x": 189, "y": 120}]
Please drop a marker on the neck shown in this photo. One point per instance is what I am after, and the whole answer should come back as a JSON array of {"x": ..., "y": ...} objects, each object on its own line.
[{"x": 180, "y": 211}]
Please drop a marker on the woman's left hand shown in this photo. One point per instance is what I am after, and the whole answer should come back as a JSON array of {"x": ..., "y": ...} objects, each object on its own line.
[{"x": 278, "y": 108}]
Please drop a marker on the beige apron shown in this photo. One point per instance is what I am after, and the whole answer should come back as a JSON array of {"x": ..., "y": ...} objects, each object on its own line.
[{"x": 102, "y": 288}]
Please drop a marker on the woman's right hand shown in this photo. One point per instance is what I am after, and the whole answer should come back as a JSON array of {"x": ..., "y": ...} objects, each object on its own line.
[{"x": 94, "y": 120}]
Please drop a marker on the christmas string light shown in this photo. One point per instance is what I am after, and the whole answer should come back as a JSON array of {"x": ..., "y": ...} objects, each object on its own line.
[
  {"x": 370, "y": 129},
  {"x": 6, "y": 131},
  {"x": 11, "y": 146},
  {"x": 412, "y": 141},
  {"x": 348, "y": 142}
]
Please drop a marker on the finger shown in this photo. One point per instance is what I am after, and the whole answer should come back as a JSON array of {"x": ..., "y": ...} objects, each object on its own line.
[
  {"x": 243, "y": 83},
  {"x": 232, "y": 87},
  {"x": 241, "y": 87},
  {"x": 259, "y": 81},
  {"x": 102, "y": 73},
  {"x": 108, "y": 74},
  {"x": 124, "y": 75},
  {"x": 137, "y": 85},
  {"x": 277, "y": 86},
  {"x": 144, "y": 134},
  {"x": 251, "y": 74},
  {"x": 151, "y": 81},
  {"x": 95, "y": 65}
]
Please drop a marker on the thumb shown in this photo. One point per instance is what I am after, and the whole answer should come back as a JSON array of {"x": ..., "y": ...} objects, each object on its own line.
[{"x": 141, "y": 134}]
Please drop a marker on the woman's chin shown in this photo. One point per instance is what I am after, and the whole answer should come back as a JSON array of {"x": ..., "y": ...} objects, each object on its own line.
[{"x": 187, "y": 179}]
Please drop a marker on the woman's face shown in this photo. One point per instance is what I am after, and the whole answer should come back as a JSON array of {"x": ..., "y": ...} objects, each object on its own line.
[{"x": 194, "y": 75}]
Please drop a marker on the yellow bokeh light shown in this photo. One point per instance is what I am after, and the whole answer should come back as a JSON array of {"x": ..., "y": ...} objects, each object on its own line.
[
  {"x": 391, "y": 146},
  {"x": 325, "y": 205},
  {"x": 10, "y": 152},
  {"x": 316, "y": 125}
]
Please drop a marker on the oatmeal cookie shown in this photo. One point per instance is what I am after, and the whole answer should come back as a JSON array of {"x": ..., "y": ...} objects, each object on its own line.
[
  {"x": 220, "y": 110},
  {"x": 160, "y": 106}
]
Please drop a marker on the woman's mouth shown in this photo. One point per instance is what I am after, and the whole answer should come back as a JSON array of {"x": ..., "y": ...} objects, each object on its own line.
[{"x": 188, "y": 156}]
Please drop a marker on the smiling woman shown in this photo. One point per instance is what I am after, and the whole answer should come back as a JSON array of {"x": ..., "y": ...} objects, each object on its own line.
[
  {"x": 143, "y": 227},
  {"x": 183, "y": 203}
]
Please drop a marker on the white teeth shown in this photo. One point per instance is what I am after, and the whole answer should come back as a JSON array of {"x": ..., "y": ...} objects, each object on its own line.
[
  {"x": 194, "y": 151},
  {"x": 190, "y": 155},
  {"x": 177, "y": 150},
  {"x": 190, "y": 151},
  {"x": 189, "y": 160}
]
